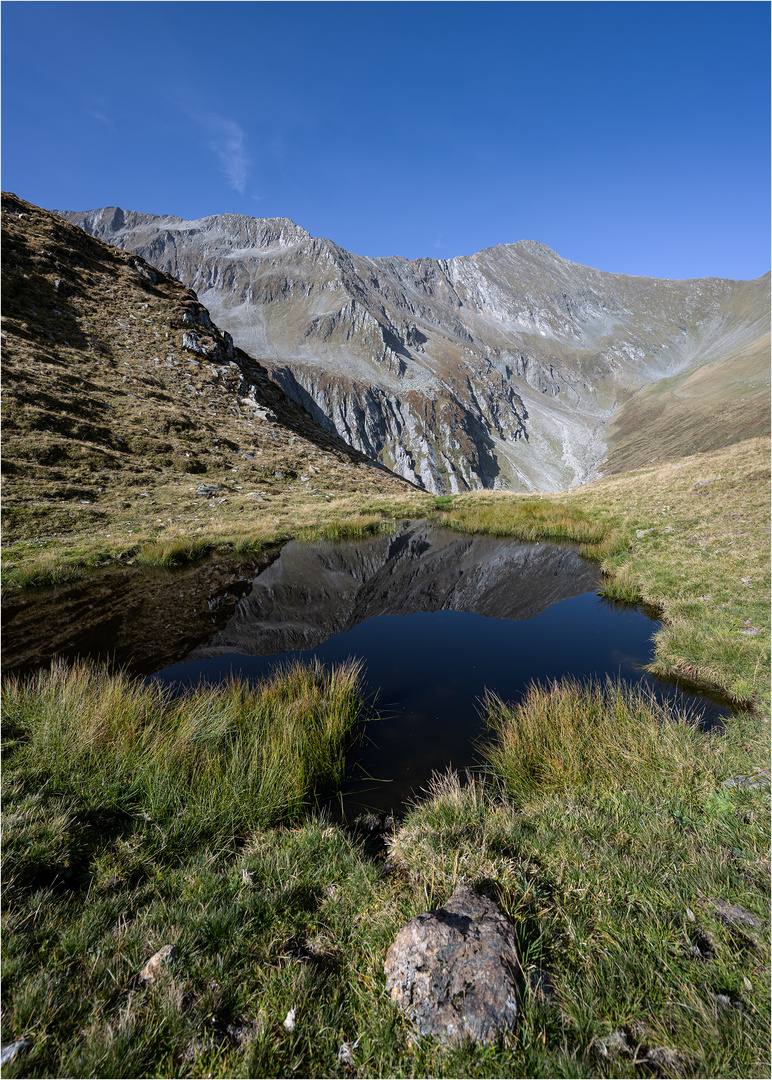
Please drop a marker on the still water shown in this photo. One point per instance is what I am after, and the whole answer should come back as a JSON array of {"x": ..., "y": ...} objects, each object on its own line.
[{"x": 437, "y": 618}]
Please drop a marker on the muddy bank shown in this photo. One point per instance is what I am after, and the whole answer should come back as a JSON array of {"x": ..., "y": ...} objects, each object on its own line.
[{"x": 139, "y": 619}]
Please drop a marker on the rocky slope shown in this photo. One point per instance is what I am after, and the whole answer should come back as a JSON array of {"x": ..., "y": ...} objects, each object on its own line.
[
  {"x": 500, "y": 369},
  {"x": 123, "y": 403}
]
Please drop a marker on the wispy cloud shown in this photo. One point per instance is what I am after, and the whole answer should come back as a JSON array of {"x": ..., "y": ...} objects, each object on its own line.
[
  {"x": 101, "y": 118},
  {"x": 227, "y": 142}
]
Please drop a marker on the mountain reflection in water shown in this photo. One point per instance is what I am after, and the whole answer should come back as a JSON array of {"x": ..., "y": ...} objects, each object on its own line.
[{"x": 437, "y": 618}]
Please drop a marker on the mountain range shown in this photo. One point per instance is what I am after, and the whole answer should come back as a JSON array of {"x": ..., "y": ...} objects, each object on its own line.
[{"x": 511, "y": 368}]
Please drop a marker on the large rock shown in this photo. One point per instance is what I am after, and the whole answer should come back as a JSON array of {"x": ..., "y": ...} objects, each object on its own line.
[{"x": 453, "y": 971}]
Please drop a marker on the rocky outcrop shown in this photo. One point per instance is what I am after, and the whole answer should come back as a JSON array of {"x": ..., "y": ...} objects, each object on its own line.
[
  {"x": 501, "y": 369},
  {"x": 453, "y": 971}
]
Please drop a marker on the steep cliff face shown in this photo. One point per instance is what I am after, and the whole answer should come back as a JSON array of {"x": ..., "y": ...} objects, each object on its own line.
[{"x": 501, "y": 369}]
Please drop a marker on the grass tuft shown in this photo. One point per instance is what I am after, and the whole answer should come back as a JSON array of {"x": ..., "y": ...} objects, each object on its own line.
[
  {"x": 179, "y": 551},
  {"x": 570, "y": 735}
]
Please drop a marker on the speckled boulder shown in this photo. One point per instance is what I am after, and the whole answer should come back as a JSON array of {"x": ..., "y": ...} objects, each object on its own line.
[{"x": 453, "y": 971}]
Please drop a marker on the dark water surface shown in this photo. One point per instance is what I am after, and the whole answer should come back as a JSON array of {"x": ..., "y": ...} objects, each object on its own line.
[{"x": 437, "y": 618}]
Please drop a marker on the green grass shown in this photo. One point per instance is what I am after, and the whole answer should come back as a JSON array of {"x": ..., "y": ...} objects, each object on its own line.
[
  {"x": 214, "y": 762},
  {"x": 133, "y": 820}
]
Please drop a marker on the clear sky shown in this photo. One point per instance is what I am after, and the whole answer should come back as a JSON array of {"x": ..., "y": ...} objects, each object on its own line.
[{"x": 628, "y": 136}]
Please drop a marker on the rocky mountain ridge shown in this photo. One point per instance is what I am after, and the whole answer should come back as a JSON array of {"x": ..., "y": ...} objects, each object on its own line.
[{"x": 511, "y": 368}]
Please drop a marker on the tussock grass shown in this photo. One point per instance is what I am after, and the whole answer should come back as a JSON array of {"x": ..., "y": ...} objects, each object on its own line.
[
  {"x": 216, "y": 759},
  {"x": 179, "y": 551},
  {"x": 44, "y": 571},
  {"x": 570, "y": 735},
  {"x": 457, "y": 829},
  {"x": 525, "y": 518}
]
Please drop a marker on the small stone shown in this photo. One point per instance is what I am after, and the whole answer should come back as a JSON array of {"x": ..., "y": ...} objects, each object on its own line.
[
  {"x": 612, "y": 1045},
  {"x": 156, "y": 963},
  {"x": 757, "y": 778},
  {"x": 289, "y": 1020},
  {"x": 723, "y": 1001},
  {"x": 346, "y": 1052},
  {"x": 734, "y": 914},
  {"x": 9, "y": 1052},
  {"x": 240, "y": 1034},
  {"x": 690, "y": 916},
  {"x": 668, "y": 1062}
]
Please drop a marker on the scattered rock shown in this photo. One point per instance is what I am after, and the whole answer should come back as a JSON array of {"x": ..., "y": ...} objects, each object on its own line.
[
  {"x": 756, "y": 778},
  {"x": 642, "y": 532},
  {"x": 664, "y": 1061},
  {"x": 191, "y": 341},
  {"x": 207, "y": 489},
  {"x": 735, "y": 915},
  {"x": 453, "y": 970},
  {"x": 9, "y": 1052},
  {"x": 540, "y": 982},
  {"x": 346, "y": 1052},
  {"x": 156, "y": 963}
]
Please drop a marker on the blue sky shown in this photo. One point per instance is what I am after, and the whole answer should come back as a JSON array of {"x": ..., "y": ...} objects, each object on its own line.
[{"x": 631, "y": 137}]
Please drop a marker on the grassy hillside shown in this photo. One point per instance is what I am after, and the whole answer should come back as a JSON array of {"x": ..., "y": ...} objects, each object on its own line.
[{"x": 721, "y": 401}]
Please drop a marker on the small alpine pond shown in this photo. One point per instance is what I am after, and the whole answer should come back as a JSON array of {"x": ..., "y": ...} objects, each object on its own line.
[{"x": 437, "y": 618}]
